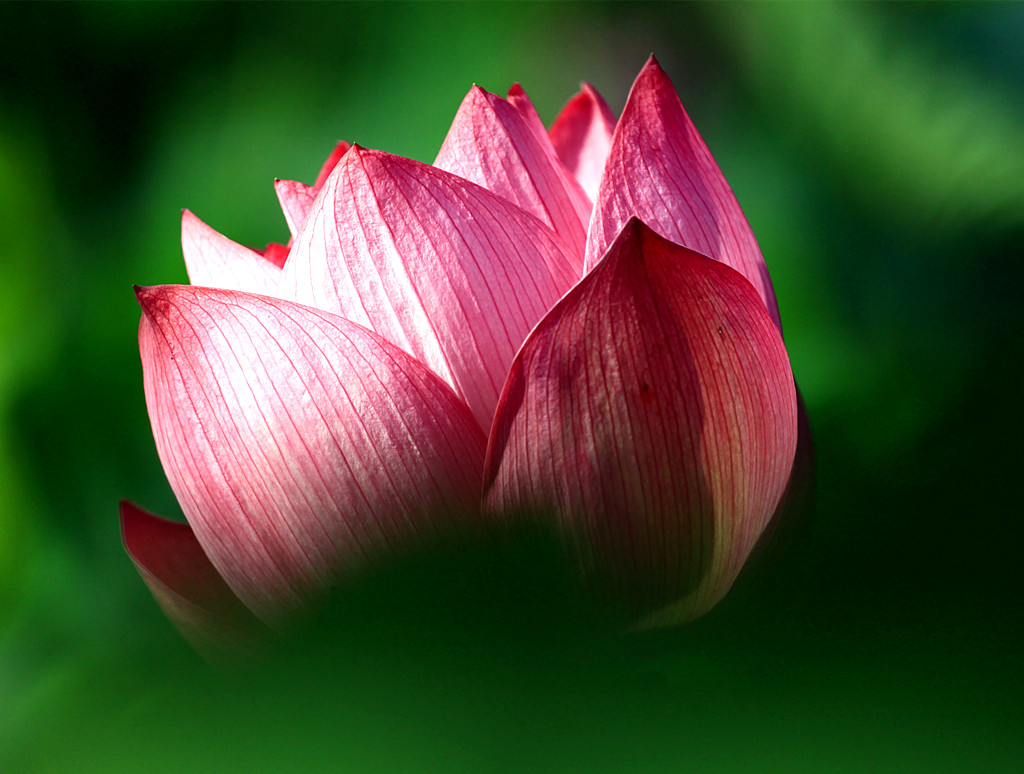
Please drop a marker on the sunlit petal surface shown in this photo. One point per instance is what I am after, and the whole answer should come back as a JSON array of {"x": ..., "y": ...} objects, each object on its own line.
[
  {"x": 446, "y": 270},
  {"x": 299, "y": 444},
  {"x": 660, "y": 170}
]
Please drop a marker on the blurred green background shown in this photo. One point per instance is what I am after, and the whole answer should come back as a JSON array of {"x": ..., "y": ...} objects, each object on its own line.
[{"x": 878, "y": 151}]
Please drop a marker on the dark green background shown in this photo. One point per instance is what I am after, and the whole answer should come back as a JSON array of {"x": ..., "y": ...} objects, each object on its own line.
[{"x": 877, "y": 151}]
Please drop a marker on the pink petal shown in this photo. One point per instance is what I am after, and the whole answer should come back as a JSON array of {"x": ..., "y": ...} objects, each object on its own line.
[
  {"x": 520, "y": 100},
  {"x": 299, "y": 444},
  {"x": 213, "y": 260},
  {"x": 653, "y": 411},
  {"x": 296, "y": 198},
  {"x": 188, "y": 588},
  {"x": 582, "y": 137},
  {"x": 492, "y": 144},
  {"x": 660, "y": 170},
  {"x": 444, "y": 269}
]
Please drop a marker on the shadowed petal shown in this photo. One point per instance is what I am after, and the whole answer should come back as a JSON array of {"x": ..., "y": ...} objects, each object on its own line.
[
  {"x": 188, "y": 588},
  {"x": 213, "y": 260},
  {"x": 439, "y": 266},
  {"x": 299, "y": 444},
  {"x": 582, "y": 136},
  {"x": 660, "y": 170},
  {"x": 653, "y": 412},
  {"x": 492, "y": 143}
]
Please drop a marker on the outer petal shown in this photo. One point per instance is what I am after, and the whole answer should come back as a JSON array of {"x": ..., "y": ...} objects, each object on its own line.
[
  {"x": 491, "y": 143},
  {"x": 653, "y": 411},
  {"x": 660, "y": 170},
  {"x": 297, "y": 198},
  {"x": 299, "y": 444},
  {"x": 188, "y": 588},
  {"x": 446, "y": 270},
  {"x": 582, "y": 137},
  {"x": 213, "y": 260}
]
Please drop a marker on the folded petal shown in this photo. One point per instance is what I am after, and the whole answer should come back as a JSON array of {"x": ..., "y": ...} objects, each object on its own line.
[
  {"x": 296, "y": 198},
  {"x": 439, "y": 266},
  {"x": 582, "y": 136},
  {"x": 299, "y": 444},
  {"x": 492, "y": 144},
  {"x": 187, "y": 586},
  {"x": 653, "y": 413},
  {"x": 660, "y": 170},
  {"x": 213, "y": 260}
]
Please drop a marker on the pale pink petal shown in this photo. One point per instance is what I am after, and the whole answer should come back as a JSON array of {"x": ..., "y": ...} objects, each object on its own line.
[
  {"x": 653, "y": 413},
  {"x": 299, "y": 445},
  {"x": 296, "y": 198},
  {"x": 493, "y": 145},
  {"x": 660, "y": 170},
  {"x": 213, "y": 260},
  {"x": 439, "y": 266},
  {"x": 582, "y": 136},
  {"x": 188, "y": 587}
]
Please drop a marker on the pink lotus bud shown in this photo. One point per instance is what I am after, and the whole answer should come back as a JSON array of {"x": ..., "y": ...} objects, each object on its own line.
[{"x": 575, "y": 324}]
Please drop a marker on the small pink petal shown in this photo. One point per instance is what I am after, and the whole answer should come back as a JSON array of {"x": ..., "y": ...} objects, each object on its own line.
[
  {"x": 332, "y": 161},
  {"x": 296, "y": 198},
  {"x": 520, "y": 100},
  {"x": 582, "y": 137},
  {"x": 493, "y": 145},
  {"x": 653, "y": 412},
  {"x": 187, "y": 586},
  {"x": 660, "y": 170},
  {"x": 439, "y": 266},
  {"x": 299, "y": 445},
  {"x": 213, "y": 260}
]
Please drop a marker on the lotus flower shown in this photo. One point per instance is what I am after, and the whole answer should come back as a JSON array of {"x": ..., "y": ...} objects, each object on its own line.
[{"x": 574, "y": 323}]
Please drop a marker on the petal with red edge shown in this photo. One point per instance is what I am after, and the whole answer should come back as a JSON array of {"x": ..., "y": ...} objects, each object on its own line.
[
  {"x": 213, "y": 260},
  {"x": 188, "y": 587},
  {"x": 332, "y": 161},
  {"x": 582, "y": 136},
  {"x": 660, "y": 170},
  {"x": 493, "y": 145},
  {"x": 653, "y": 412},
  {"x": 439, "y": 266},
  {"x": 299, "y": 444}
]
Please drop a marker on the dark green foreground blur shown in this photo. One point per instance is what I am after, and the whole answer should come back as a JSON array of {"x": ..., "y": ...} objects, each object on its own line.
[{"x": 876, "y": 151}]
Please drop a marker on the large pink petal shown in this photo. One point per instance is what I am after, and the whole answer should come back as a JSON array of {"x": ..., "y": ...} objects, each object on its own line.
[
  {"x": 491, "y": 143},
  {"x": 660, "y": 170},
  {"x": 213, "y": 260},
  {"x": 299, "y": 444},
  {"x": 653, "y": 412},
  {"x": 188, "y": 587},
  {"x": 582, "y": 137},
  {"x": 439, "y": 266}
]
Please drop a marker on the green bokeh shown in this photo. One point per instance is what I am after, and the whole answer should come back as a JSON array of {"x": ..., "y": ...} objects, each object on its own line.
[{"x": 876, "y": 150}]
